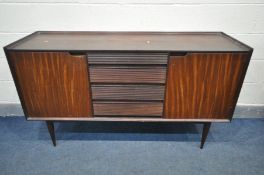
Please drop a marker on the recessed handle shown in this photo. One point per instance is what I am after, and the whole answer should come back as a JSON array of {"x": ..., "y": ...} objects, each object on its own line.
[
  {"x": 77, "y": 53},
  {"x": 178, "y": 53}
]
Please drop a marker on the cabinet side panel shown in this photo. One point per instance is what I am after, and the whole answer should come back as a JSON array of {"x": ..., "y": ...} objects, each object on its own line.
[
  {"x": 52, "y": 84},
  {"x": 204, "y": 85}
]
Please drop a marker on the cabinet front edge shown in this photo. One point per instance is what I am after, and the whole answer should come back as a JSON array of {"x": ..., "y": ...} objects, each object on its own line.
[{"x": 125, "y": 119}]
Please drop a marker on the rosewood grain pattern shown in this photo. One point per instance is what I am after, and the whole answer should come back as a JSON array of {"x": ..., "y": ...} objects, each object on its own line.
[
  {"x": 128, "y": 108},
  {"x": 127, "y": 74},
  {"x": 128, "y": 92},
  {"x": 52, "y": 84},
  {"x": 204, "y": 85},
  {"x": 128, "y": 58}
]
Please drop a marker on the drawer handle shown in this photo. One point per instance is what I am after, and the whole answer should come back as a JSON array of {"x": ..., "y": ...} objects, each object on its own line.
[
  {"x": 74, "y": 53},
  {"x": 178, "y": 53}
]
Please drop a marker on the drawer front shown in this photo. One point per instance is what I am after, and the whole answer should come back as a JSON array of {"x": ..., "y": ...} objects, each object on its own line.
[
  {"x": 128, "y": 92},
  {"x": 128, "y": 58},
  {"x": 127, "y": 74},
  {"x": 128, "y": 108},
  {"x": 128, "y": 84}
]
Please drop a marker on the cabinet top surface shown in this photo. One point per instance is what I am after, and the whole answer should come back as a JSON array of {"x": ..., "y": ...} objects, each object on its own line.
[{"x": 129, "y": 41}]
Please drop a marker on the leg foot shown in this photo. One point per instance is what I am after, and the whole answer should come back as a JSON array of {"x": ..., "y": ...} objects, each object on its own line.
[
  {"x": 50, "y": 126},
  {"x": 206, "y": 128}
]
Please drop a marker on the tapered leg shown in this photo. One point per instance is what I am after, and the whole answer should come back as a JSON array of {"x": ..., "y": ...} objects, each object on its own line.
[
  {"x": 206, "y": 129},
  {"x": 50, "y": 126}
]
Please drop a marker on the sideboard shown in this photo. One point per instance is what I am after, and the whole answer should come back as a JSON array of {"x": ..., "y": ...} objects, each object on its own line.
[{"x": 128, "y": 76}]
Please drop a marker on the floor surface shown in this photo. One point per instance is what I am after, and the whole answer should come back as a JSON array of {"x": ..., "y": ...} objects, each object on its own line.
[{"x": 131, "y": 148}]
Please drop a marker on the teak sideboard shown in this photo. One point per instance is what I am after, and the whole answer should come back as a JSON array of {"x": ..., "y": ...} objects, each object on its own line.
[{"x": 128, "y": 76}]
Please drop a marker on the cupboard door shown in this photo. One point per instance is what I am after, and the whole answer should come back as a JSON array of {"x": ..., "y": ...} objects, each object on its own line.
[
  {"x": 204, "y": 85},
  {"x": 51, "y": 84}
]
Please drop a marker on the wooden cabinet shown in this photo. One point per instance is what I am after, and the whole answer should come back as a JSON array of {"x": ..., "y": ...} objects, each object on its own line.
[{"x": 128, "y": 76}]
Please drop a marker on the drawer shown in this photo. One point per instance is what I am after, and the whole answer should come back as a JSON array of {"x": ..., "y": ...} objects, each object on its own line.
[
  {"x": 128, "y": 92},
  {"x": 127, "y": 58},
  {"x": 128, "y": 108},
  {"x": 127, "y": 74}
]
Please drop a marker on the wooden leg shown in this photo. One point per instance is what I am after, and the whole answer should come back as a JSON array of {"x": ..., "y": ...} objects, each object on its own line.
[
  {"x": 206, "y": 128},
  {"x": 50, "y": 126}
]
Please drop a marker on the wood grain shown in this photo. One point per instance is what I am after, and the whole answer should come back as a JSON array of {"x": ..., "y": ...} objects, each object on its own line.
[
  {"x": 127, "y": 58},
  {"x": 130, "y": 41},
  {"x": 52, "y": 84},
  {"x": 128, "y": 108},
  {"x": 127, "y": 74},
  {"x": 128, "y": 92},
  {"x": 204, "y": 85}
]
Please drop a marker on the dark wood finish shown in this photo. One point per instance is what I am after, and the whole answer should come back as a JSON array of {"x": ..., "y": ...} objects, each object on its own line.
[
  {"x": 52, "y": 84},
  {"x": 204, "y": 85},
  {"x": 51, "y": 130},
  {"x": 206, "y": 128},
  {"x": 128, "y": 58},
  {"x": 128, "y": 108},
  {"x": 127, "y": 74},
  {"x": 130, "y": 41},
  {"x": 128, "y": 92}
]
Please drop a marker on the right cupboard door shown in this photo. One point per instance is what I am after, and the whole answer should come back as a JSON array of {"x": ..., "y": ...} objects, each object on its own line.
[{"x": 204, "y": 85}]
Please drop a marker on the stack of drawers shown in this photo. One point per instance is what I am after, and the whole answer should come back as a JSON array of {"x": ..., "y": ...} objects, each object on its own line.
[{"x": 127, "y": 84}]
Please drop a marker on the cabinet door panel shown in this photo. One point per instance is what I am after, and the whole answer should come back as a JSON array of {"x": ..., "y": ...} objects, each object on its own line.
[
  {"x": 204, "y": 85},
  {"x": 51, "y": 84}
]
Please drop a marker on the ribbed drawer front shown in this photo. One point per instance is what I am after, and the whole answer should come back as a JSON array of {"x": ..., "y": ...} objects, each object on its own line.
[
  {"x": 128, "y": 108},
  {"x": 127, "y": 58},
  {"x": 127, "y": 84},
  {"x": 127, "y": 74},
  {"x": 128, "y": 92}
]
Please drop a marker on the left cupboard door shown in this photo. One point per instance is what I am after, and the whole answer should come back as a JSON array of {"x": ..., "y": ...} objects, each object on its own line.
[{"x": 52, "y": 84}]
